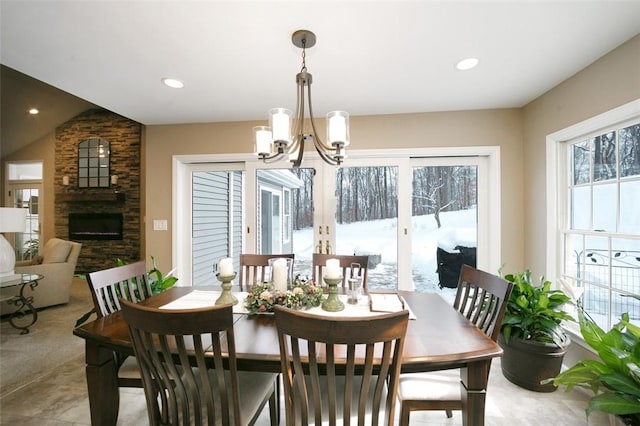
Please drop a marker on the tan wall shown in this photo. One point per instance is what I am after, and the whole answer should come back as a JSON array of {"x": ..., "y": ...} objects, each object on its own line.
[
  {"x": 610, "y": 82},
  {"x": 468, "y": 128},
  {"x": 41, "y": 150}
]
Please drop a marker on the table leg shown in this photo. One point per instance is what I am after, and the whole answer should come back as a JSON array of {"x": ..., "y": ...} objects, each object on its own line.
[
  {"x": 102, "y": 384},
  {"x": 473, "y": 388},
  {"x": 22, "y": 302}
]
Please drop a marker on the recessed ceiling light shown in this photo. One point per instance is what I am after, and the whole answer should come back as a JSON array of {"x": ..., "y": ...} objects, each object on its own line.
[
  {"x": 34, "y": 111},
  {"x": 467, "y": 64},
  {"x": 173, "y": 83}
]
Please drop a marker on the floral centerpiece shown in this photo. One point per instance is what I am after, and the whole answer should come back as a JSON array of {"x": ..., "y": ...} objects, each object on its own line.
[{"x": 263, "y": 297}]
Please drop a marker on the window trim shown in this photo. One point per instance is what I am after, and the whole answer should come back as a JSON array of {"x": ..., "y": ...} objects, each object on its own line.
[{"x": 556, "y": 173}]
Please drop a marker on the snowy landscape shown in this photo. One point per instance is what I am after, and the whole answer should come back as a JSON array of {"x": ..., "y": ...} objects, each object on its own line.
[{"x": 379, "y": 237}]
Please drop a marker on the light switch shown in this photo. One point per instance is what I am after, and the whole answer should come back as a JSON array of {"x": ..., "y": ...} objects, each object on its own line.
[{"x": 159, "y": 224}]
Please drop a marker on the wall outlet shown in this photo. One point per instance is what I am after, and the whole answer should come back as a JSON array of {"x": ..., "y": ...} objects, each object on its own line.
[{"x": 159, "y": 224}]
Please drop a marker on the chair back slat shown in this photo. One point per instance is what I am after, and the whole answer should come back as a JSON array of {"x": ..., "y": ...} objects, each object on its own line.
[
  {"x": 335, "y": 369},
  {"x": 319, "y": 261},
  {"x": 182, "y": 386},
  {"x": 482, "y": 298},
  {"x": 127, "y": 281},
  {"x": 254, "y": 267}
]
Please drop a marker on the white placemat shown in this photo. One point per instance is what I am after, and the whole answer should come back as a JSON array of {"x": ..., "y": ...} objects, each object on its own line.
[{"x": 202, "y": 299}]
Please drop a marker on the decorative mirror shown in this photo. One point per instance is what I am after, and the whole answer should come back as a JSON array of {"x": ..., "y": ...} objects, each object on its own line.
[{"x": 93, "y": 163}]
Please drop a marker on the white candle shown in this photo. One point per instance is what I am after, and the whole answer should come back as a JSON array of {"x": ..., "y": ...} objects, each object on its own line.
[
  {"x": 225, "y": 267},
  {"x": 332, "y": 268},
  {"x": 337, "y": 129},
  {"x": 279, "y": 274}
]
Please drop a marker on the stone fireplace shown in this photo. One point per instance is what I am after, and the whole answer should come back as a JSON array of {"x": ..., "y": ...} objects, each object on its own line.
[{"x": 103, "y": 211}]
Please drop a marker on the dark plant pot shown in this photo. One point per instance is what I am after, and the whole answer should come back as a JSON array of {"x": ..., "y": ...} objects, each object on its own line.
[{"x": 526, "y": 362}]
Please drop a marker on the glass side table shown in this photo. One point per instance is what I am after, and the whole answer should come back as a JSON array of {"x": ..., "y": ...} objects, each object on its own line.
[{"x": 25, "y": 315}]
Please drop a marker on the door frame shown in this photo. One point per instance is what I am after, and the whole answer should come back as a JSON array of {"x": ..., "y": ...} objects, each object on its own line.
[{"x": 489, "y": 258}]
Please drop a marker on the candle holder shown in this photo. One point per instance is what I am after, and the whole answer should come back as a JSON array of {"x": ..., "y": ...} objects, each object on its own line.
[
  {"x": 332, "y": 303},
  {"x": 226, "y": 296}
]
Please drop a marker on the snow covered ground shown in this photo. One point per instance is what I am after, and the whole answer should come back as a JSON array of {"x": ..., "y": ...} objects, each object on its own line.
[{"x": 379, "y": 237}]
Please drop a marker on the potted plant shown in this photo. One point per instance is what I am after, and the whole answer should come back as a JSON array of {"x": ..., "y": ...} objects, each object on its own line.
[
  {"x": 615, "y": 377},
  {"x": 532, "y": 336}
]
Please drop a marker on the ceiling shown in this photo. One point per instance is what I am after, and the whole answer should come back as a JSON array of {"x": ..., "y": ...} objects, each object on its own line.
[{"x": 237, "y": 60}]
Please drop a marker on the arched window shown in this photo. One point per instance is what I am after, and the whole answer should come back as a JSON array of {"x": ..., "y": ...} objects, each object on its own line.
[{"x": 93, "y": 163}]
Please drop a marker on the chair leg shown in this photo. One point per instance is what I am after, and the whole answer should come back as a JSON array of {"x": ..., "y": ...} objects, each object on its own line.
[
  {"x": 449, "y": 413},
  {"x": 404, "y": 415},
  {"x": 274, "y": 406}
]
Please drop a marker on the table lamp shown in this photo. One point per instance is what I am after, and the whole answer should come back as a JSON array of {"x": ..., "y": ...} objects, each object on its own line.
[{"x": 11, "y": 220}]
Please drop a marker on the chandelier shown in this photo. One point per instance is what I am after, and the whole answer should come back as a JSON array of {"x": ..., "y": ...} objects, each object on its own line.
[{"x": 285, "y": 137}]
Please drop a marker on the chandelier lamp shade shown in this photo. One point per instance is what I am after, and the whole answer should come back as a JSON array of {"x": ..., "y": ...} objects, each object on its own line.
[
  {"x": 286, "y": 134},
  {"x": 11, "y": 220}
]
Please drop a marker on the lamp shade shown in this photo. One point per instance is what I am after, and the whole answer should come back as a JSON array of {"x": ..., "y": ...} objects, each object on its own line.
[{"x": 12, "y": 219}]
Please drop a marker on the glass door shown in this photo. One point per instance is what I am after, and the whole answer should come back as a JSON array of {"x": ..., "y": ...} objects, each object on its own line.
[
  {"x": 366, "y": 220},
  {"x": 27, "y": 196}
]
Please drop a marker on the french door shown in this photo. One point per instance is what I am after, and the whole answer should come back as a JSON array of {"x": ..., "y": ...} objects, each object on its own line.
[{"x": 398, "y": 210}]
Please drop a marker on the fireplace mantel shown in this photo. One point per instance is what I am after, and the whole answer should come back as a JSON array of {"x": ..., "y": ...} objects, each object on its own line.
[{"x": 118, "y": 197}]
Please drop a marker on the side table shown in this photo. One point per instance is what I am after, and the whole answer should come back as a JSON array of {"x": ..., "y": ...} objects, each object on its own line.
[{"x": 20, "y": 301}]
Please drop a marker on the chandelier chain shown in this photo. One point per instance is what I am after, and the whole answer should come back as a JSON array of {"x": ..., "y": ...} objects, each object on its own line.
[{"x": 304, "y": 55}]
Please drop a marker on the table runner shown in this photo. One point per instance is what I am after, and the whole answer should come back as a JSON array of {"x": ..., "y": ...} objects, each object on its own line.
[{"x": 202, "y": 299}]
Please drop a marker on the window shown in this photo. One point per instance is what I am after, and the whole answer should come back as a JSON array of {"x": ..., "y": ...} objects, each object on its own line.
[
  {"x": 93, "y": 163},
  {"x": 601, "y": 236}
]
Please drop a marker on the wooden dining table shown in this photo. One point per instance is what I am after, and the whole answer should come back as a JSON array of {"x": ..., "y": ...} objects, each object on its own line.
[{"x": 438, "y": 338}]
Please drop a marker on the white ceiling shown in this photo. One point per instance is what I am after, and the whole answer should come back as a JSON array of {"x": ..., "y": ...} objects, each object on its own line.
[{"x": 371, "y": 57}]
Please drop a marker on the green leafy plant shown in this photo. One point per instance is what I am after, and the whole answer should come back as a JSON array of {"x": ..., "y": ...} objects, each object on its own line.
[
  {"x": 534, "y": 312},
  {"x": 157, "y": 281},
  {"x": 615, "y": 378}
]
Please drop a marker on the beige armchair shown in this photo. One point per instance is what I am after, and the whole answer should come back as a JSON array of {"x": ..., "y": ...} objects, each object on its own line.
[{"x": 57, "y": 264}]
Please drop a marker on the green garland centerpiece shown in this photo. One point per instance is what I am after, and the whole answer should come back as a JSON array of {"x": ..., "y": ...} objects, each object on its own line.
[{"x": 263, "y": 297}]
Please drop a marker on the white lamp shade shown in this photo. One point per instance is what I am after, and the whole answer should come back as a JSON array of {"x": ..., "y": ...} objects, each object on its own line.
[
  {"x": 280, "y": 123},
  {"x": 12, "y": 219},
  {"x": 262, "y": 140},
  {"x": 338, "y": 127}
]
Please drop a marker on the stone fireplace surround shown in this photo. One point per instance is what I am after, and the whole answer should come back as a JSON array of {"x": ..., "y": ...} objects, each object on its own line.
[{"x": 124, "y": 136}]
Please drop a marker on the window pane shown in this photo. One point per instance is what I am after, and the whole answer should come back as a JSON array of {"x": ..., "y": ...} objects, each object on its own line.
[
  {"x": 604, "y": 157},
  {"x": 580, "y": 208},
  {"x": 629, "y": 207},
  {"x": 444, "y": 222},
  {"x": 581, "y": 158},
  {"x": 625, "y": 265},
  {"x": 25, "y": 171},
  {"x": 574, "y": 256},
  {"x": 630, "y": 151},
  {"x": 367, "y": 220},
  {"x": 625, "y": 303},
  {"x": 604, "y": 207},
  {"x": 596, "y": 302}
]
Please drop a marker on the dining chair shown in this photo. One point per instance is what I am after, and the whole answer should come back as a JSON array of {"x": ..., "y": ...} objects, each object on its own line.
[
  {"x": 334, "y": 368},
  {"x": 319, "y": 261},
  {"x": 189, "y": 368},
  {"x": 482, "y": 299},
  {"x": 253, "y": 268},
  {"x": 107, "y": 287}
]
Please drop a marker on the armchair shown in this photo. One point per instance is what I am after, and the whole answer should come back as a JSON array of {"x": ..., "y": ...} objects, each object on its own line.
[{"x": 58, "y": 263}]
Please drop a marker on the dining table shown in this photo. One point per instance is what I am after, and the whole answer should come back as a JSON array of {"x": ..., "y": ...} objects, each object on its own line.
[{"x": 438, "y": 337}]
